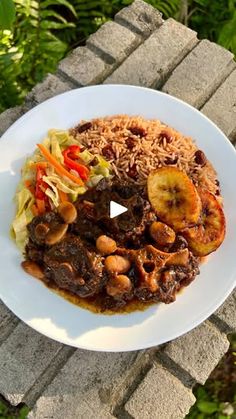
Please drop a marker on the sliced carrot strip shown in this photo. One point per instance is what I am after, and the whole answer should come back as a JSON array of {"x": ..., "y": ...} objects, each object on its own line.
[
  {"x": 35, "y": 210},
  {"x": 27, "y": 183},
  {"x": 41, "y": 164},
  {"x": 29, "y": 186},
  {"x": 41, "y": 206},
  {"x": 63, "y": 196},
  {"x": 57, "y": 166}
]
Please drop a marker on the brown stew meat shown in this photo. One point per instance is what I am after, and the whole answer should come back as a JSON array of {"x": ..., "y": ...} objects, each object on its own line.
[{"x": 111, "y": 261}]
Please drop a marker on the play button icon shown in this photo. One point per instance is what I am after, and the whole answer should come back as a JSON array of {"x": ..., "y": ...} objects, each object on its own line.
[{"x": 116, "y": 209}]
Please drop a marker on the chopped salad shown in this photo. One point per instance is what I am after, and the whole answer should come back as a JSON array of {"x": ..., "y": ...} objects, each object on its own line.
[{"x": 59, "y": 170}]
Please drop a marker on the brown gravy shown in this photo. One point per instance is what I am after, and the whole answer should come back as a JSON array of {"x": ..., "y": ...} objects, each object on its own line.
[{"x": 92, "y": 305}]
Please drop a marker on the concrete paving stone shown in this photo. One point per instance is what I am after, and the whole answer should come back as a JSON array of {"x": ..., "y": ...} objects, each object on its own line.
[
  {"x": 140, "y": 17},
  {"x": 84, "y": 67},
  {"x": 227, "y": 313},
  {"x": 9, "y": 116},
  {"x": 221, "y": 107},
  {"x": 8, "y": 322},
  {"x": 199, "y": 351},
  {"x": 150, "y": 63},
  {"x": 24, "y": 356},
  {"x": 50, "y": 87},
  {"x": 84, "y": 387},
  {"x": 113, "y": 41},
  {"x": 160, "y": 396},
  {"x": 200, "y": 73}
]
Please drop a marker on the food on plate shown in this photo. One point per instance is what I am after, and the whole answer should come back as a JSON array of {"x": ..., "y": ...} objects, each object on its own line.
[
  {"x": 209, "y": 233},
  {"x": 174, "y": 197},
  {"x": 145, "y": 255}
]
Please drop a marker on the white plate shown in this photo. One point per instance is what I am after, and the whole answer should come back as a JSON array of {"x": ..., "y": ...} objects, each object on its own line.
[{"x": 55, "y": 317}]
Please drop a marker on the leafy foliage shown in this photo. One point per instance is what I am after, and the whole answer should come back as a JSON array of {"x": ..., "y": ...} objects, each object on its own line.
[
  {"x": 36, "y": 34},
  {"x": 10, "y": 412},
  {"x": 31, "y": 48}
]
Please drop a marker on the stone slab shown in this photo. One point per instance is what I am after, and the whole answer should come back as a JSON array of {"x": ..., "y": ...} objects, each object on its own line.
[
  {"x": 150, "y": 63},
  {"x": 199, "y": 351},
  {"x": 50, "y": 87},
  {"x": 140, "y": 17},
  {"x": 83, "y": 67},
  {"x": 221, "y": 107},
  {"x": 8, "y": 117},
  {"x": 8, "y": 322},
  {"x": 24, "y": 356},
  {"x": 114, "y": 42},
  {"x": 227, "y": 313},
  {"x": 84, "y": 387},
  {"x": 200, "y": 73},
  {"x": 160, "y": 396}
]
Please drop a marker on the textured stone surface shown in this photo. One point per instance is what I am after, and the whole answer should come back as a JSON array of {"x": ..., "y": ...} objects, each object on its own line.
[
  {"x": 160, "y": 396},
  {"x": 140, "y": 17},
  {"x": 227, "y": 313},
  {"x": 50, "y": 87},
  {"x": 149, "y": 64},
  {"x": 113, "y": 41},
  {"x": 200, "y": 73},
  {"x": 199, "y": 351},
  {"x": 84, "y": 67},
  {"x": 84, "y": 387},
  {"x": 8, "y": 321},
  {"x": 23, "y": 358},
  {"x": 9, "y": 116},
  {"x": 221, "y": 107}
]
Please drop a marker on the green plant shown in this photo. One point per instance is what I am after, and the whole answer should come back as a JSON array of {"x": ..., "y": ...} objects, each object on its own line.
[
  {"x": 30, "y": 48},
  {"x": 9, "y": 412},
  {"x": 36, "y": 34}
]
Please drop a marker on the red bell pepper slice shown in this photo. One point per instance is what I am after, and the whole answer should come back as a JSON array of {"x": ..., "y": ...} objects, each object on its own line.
[
  {"x": 40, "y": 186},
  {"x": 70, "y": 155}
]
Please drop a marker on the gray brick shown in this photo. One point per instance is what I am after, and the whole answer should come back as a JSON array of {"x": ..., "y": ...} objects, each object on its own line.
[
  {"x": 140, "y": 17},
  {"x": 85, "y": 386},
  {"x": 221, "y": 107},
  {"x": 149, "y": 64},
  {"x": 160, "y": 396},
  {"x": 51, "y": 86},
  {"x": 199, "y": 351},
  {"x": 227, "y": 313},
  {"x": 23, "y": 358},
  {"x": 84, "y": 67},
  {"x": 200, "y": 73},
  {"x": 9, "y": 116},
  {"x": 113, "y": 41},
  {"x": 8, "y": 321}
]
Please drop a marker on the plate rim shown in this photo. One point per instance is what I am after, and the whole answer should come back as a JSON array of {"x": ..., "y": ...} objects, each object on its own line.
[{"x": 211, "y": 309}]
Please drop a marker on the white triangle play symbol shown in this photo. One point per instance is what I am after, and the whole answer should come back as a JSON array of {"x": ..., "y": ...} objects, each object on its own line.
[{"x": 116, "y": 209}]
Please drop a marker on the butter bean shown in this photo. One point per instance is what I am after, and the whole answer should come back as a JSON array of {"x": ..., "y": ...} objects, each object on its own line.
[
  {"x": 67, "y": 211},
  {"x": 117, "y": 264},
  {"x": 105, "y": 245}
]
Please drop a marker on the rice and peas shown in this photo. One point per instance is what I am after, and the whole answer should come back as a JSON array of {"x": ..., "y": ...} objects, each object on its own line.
[{"x": 135, "y": 146}]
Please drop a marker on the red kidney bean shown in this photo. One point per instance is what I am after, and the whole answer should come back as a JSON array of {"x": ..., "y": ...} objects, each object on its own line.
[
  {"x": 200, "y": 158},
  {"x": 141, "y": 132},
  {"x": 130, "y": 142},
  {"x": 107, "y": 152},
  {"x": 166, "y": 135},
  {"x": 84, "y": 127}
]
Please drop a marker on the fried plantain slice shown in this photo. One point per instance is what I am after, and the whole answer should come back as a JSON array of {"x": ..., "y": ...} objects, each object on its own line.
[
  {"x": 208, "y": 235},
  {"x": 173, "y": 197}
]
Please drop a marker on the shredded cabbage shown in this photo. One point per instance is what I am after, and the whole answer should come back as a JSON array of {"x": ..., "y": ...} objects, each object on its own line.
[{"x": 24, "y": 200}]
